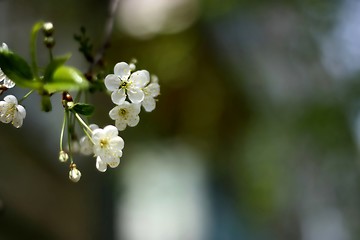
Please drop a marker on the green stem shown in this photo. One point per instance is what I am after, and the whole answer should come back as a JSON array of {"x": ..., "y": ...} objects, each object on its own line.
[
  {"x": 36, "y": 28},
  {"x": 82, "y": 122},
  {"x": 62, "y": 132},
  {"x": 51, "y": 54},
  {"x": 26, "y": 95},
  {"x": 69, "y": 136},
  {"x": 87, "y": 134}
]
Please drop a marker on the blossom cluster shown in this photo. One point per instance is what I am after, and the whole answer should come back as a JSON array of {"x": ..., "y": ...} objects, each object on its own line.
[
  {"x": 130, "y": 90},
  {"x": 10, "y": 110}
]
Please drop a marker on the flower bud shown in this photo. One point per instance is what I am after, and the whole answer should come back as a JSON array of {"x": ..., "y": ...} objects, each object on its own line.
[
  {"x": 74, "y": 173},
  {"x": 63, "y": 156},
  {"x": 48, "y": 29},
  {"x": 49, "y": 42}
]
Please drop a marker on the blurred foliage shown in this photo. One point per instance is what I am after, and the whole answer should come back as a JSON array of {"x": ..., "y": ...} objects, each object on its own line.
[{"x": 280, "y": 157}]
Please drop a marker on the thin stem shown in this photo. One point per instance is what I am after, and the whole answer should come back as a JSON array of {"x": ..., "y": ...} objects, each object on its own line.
[
  {"x": 36, "y": 28},
  {"x": 50, "y": 54},
  {"x": 26, "y": 95},
  {"x": 109, "y": 25},
  {"x": 83, "y": 123},
  {"x": 69, "y": 135},
  {"x": 62, "y": 132},
  {"x": 87, "y": 134}
]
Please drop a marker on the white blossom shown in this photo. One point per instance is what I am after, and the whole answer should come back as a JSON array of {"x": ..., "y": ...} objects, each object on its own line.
[
  {"x": 107, "y": 147},
  {"x": 86, "y": 145},
  {"x": 11, "y": 111},
  {"x": 125, "y": 114},
  {"x": 151, "y": 91},
  {"x": 3, "y": 78},
  {"x": 124, "y": 83}
]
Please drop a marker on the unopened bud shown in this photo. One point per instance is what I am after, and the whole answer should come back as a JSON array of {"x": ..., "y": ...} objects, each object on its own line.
[
  {"x": 49, "y": 42},
  {"x": 48, "y": 29},
  {"x": 63, "y": 156},
  {"x": 74, "y": 173}
]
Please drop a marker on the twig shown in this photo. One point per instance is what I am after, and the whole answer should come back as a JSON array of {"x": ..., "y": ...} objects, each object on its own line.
[{"x": 109, "y": 25}]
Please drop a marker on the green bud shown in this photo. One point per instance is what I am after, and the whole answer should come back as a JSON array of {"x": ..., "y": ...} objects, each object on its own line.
[{"x": 49, "y": 42}]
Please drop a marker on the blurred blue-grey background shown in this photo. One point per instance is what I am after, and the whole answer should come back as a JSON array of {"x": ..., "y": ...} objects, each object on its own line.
[{"x": 256, "y": 133}]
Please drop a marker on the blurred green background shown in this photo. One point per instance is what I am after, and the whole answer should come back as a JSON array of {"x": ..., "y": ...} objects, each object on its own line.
[{"x": 255, "y": 135}]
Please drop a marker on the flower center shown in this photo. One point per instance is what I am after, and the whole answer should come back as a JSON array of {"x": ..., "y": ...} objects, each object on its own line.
[
  {"x": 104, "y": 143},
  {"x": 122, "y": 112},
  {"x": 123, "y": 84}
]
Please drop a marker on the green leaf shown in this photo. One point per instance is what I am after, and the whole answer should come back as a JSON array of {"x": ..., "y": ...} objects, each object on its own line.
[
  {"x": 17, "y": 69},
  {"x": 53, "y": 65},
  {"x": 83, "y": 109},
  {"x": 66, "y": 78}
]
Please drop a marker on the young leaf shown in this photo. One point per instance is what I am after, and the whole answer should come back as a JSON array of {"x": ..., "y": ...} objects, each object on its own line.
[
  {"x": 17, "y": 69},
  {"x": 53, "y": 65},
  {"x": 66, "y": 78},
  {"x": 83, "y": 109}
]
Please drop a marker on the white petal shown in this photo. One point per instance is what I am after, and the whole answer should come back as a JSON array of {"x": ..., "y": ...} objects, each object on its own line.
[
  {"x": 149, "y": 104},
  {"x": 112, "y": 82},
  {"x": 118, "y": 97},
  {"x": 120, "y": 125},
  {"x": 113, "y": 163},
  {"x": 122, "y": 69},
  {"x": 2, "y": 75},
  {"x": 11, "y": 99},
  {"x": 93, "y": 126},
  {"x": 154, "y": 79},
  {"x": 113, "y": 114},
  {"x": 136, "y": 95},
  {"x": 86, "y": 146},
  {"x": 97, "y": 134},
  {"x": 5, "y": 116},
  {"x": 153, "y": 89},
  {"x": 8, "y": 83},
  {"x": 4, "y": 47},
  {"x": 117, "y": 143},
  {"x": 111, "y": 131},
  {"x": 21, "y": 110},
  {"x": 134, "y": 108},
  {"x": 17, "y": 120},
  {"x": 132, "y": 122},
  {"x": 140, "y": 78},
  {"x": 3, "y": 107},
  {"x": 100, "y": 165}
]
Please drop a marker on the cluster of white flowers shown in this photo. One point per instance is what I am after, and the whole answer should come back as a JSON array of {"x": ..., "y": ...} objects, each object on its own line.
[
  {"x": 104, "y": 144},
  {"x": 10, "y": 110},
  {"x": 4, "y": 80},
  {"x": 137, "y": 87},
  {"x": 129, "y": 91}
]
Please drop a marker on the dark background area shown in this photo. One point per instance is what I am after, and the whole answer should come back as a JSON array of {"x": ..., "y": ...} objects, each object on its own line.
[{"x": 255, "y": 136}]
